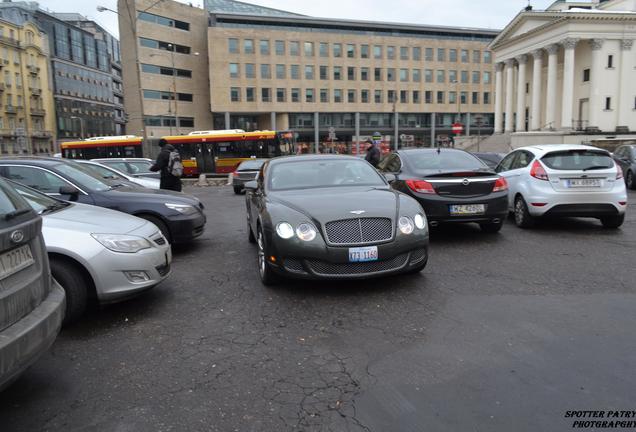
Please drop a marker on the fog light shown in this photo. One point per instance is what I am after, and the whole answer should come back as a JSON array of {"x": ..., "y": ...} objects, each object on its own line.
[{"x": 137, "y": 276}]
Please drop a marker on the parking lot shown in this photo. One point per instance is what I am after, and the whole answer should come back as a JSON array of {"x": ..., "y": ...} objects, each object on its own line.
[{"x": 501, "y": 331}]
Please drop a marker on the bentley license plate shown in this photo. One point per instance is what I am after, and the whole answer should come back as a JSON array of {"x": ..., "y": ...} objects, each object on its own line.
[
  {"x": 15, "y": 260},
  {"x": 467, "y": 209},
  {"x": 576, "y": 183},
  {"x": 362, "y": 254}
]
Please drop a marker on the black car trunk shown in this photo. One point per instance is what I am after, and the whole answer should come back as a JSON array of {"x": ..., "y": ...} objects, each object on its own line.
[{"x": 462, "y": 184}]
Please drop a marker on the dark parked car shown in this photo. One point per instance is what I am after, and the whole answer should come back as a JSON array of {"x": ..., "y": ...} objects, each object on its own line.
[
  {"x": 32, "y": 304},
  {"x": 490, "y": 158},
  {"x": 179, "y": 216},
  {"x": 246, "y": 171},
  {"x": 326, "y": 217},
  {"x": 625, "y": 157},
  {"x": 451, "y": 185}
]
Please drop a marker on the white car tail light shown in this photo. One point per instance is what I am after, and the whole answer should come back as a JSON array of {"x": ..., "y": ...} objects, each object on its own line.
[{"x": 537, "y": 171}]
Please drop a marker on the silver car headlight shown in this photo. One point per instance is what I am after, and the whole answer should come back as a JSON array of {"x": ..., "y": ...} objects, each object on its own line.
[
  {"x": 185, "y": 209},
  {"x": 122, "y": 242},
  {"x": 306, "y": 232},
  {"x": 405, "y": 224},
  {"x": 285, "y": 230},
  {"x": 420, "y": 221}
]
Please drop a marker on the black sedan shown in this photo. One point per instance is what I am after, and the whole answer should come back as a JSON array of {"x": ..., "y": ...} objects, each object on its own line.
[
  {"x": 625, "y": 157},
  {"x": 451, "y": 185},
  {"x": 179, "y": 216},
  {"x": 332, "y": 217}
]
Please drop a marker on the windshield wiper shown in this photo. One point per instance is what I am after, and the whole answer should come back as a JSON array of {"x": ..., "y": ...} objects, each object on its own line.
[
  {"x": 595, "y": 167},
  {"x": 15, "y": 213},
  {"x": 54, "y": 207}
]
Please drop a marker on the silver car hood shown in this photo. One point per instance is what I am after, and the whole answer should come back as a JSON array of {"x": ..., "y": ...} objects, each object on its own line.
[{"x": 92, "y": 219}]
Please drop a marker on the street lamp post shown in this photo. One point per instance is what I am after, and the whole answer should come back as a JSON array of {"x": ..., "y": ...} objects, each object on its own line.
[
  {"x": 174, "y": 89},
  {"x": 133, "y": 19}
]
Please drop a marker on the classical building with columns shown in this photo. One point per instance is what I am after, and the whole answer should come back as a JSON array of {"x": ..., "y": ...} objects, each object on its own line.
[{"x": 567, "y": 74}]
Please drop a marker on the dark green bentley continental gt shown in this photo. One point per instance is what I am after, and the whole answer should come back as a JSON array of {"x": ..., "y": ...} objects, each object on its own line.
[{"x": 332, "y": 217}]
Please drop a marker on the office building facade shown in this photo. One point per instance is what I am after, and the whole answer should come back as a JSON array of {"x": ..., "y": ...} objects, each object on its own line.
[
  {"x": 81, "y": 70},
  {"x": 331, "y": 81}
]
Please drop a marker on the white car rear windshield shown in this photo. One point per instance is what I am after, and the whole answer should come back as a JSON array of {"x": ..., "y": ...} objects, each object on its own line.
[{"x": 578, "y": 160}]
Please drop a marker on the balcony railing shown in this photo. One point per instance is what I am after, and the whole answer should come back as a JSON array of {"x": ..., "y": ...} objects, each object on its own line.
[
  {"x": 42, "y": 134},
  {"x": 38, "y": 112},
  {"x": 35, "y": 91},
  {"x": 10, "y": 41},
  {"x": 33, "y": 69},
  {"x": 10, "y": 109}
]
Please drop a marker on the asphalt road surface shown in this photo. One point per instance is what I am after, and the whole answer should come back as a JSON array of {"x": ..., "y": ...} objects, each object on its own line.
[{"x": 499, "y": 333}]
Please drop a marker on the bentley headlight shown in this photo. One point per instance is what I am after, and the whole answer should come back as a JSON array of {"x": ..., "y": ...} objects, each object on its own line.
[
  {"x": 285, "y": 230},
  {"x": 122, "y": 243},
  {"x": 405, "y": 224},
  {"x": 306, "y": 232},
  {"x": 420, "y": 221}
]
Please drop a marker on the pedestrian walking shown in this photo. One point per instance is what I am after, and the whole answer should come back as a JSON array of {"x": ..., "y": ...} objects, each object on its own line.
[
  {"x": 169, "y": 165},
  {"x": 373, "y": 154}
]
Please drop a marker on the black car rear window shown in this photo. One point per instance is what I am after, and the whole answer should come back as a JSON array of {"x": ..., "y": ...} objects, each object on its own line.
[
  {"x": 444, "y": 160},
  {"x": 572, "y": 160}
]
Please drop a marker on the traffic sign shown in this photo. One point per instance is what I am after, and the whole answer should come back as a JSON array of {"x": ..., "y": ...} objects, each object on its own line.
[
  {"x": 331, "y": 129},
  {"x": 457, "y": 128}
]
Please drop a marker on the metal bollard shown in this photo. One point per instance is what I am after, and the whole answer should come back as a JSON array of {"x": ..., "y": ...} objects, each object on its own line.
[{"x": 203, "y": 181}]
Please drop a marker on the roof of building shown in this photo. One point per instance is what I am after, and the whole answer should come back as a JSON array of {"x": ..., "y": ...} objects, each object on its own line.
[{"x": 238, "y": 7}]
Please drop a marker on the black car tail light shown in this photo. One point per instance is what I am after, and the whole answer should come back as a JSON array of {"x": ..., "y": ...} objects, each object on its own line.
[{"x": 420, "y": 186}]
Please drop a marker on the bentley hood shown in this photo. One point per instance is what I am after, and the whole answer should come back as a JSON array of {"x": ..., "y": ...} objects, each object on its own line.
[{"x": 328, "y": 204}]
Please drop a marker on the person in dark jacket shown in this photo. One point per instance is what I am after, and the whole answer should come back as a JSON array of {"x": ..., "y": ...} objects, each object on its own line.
[
  {"x": 168, "y": 181},
  {"x": 373, "y": 154}
]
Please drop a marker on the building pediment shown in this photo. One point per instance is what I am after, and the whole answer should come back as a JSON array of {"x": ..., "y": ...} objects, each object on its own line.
[{"x": 529, "y": 23}]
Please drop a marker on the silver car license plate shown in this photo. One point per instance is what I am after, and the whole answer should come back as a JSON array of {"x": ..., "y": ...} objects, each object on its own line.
[
  {"x": 576, "y": 183},
  {"x": 467, "y": 209},
  {"x": 363, "y": 254},
  {"x": 15, "y": 260}
]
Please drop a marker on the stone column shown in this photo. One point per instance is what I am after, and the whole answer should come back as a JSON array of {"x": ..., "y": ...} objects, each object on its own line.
[
  {"x": 510, "y": 65},
  {"x": 624, "y": 102},
  {"x": 316, "y": 133},
  {"x": 498, "y": 97},
  {"x": 595, "y": 105},
  {"x": 227, "y": 120},
  {"x": 521, "y": 93},
  {"x": 551, "y": 91},
  {"x": 433, "y": 120},
  {"x": 357, "y": 132},
  {"x": 537, "y": 80},
  {"x": 272, "y": 121},
  {"x": 567, "y": 99}
]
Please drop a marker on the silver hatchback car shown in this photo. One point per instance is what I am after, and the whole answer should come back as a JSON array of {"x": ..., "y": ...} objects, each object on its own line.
[
  {"x": 564, "y": 180},
  {"x": 97, "y": 253}
]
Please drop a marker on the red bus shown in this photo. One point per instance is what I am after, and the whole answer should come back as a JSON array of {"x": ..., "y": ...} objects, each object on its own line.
[
  {"x": 221, "y": 151},
  {"x": 124, "y": 146}
]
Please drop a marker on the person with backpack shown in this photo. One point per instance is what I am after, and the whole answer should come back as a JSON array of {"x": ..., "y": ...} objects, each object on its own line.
[{"x": 169, "y": 164}]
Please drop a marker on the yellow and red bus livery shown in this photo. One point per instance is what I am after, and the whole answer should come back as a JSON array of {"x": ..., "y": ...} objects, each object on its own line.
[
  {"x": 221, "y": 151},
  {"x": 103, "y": 147}
]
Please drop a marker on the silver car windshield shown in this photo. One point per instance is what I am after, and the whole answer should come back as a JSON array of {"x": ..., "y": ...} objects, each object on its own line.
[
  {"x": 322, "y": 173},
  {"x": 39, "y": 202}
]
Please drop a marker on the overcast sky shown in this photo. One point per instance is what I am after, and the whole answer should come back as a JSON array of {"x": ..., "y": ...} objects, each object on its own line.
[{"x": 494, "y": 14}]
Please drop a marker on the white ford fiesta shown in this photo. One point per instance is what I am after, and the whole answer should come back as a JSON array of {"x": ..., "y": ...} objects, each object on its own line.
[{"x": 563, "y": 180}]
